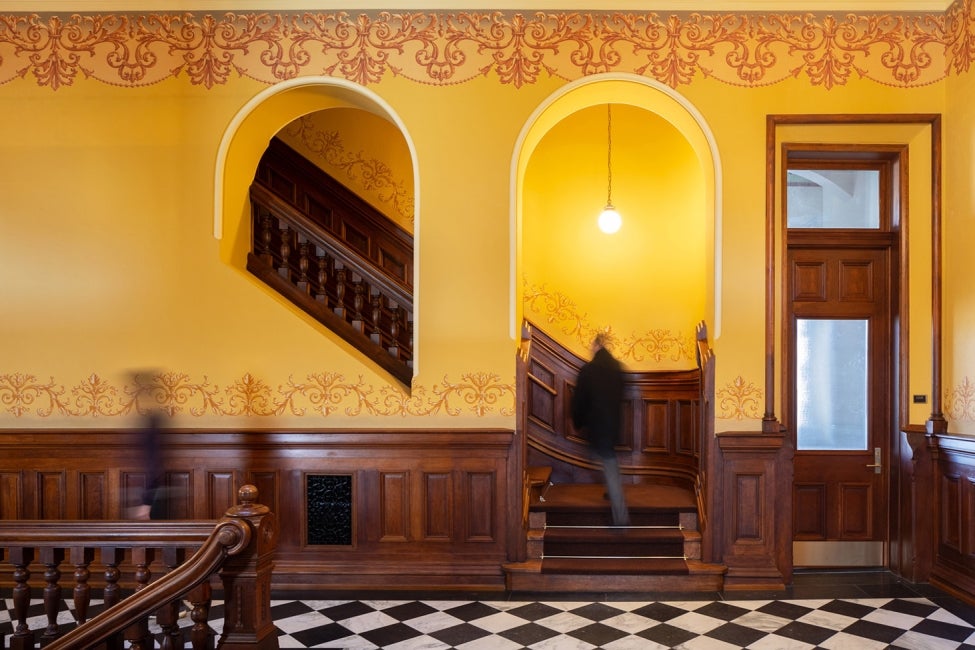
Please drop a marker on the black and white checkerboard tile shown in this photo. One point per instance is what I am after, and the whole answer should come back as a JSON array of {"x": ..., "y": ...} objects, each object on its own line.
[{"x": 834, "y": 624}]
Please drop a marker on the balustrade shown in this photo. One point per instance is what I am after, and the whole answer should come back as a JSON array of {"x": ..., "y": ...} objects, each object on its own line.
[
  {"x": 161, "y": 564},
  {"x": 347, "y": 266}
]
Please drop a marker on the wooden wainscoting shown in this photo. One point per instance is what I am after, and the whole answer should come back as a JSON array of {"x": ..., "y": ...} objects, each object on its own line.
[
  {"x": 939, "y": 537},
  {"x": 357, "y": 509}
]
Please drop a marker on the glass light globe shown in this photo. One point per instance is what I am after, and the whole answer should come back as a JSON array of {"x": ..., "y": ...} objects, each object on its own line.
[{"x": 610, "y": 220}]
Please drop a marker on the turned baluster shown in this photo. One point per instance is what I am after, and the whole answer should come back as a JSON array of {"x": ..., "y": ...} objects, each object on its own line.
[
  {"x": 20, "y": 558},
  {"x": 409, "y": 337},
  {"x": 201, "y": 635},
  {"x": 168, "y": 615},
  {"x": 111, "y": 557},
  {"x": 341, "y": 275},
  {"x": 358, "y": 302},
  {"x": 81, "y": 558},
  {"x": 137, "y": 634},
  {"x": 285, "y": 269},
  {"x": 303, "y": 283},
  {"x": 265, "y": 237},
  {"x": 376, "y": 300},
  {"x": 397, "y": 314},
  {"x": 322, "y": 294},
  {"x": 51, "y": 558}
]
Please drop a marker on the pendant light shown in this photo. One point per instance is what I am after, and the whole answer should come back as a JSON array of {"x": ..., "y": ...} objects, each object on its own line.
[{"x": 609, "y": 219}]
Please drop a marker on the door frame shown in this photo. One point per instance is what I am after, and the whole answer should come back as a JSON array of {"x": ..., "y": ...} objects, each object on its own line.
[{"x": 925, "y": 139}]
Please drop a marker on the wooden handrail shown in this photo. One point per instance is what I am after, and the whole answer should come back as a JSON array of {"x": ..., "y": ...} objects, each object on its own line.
[
  {"x": 229, "y": 537},
  {"x": 705, "y": 362},
  {"x": 239, "y": 546},
  {"x": 358, "y": 300},
  {"x": 281, "y": 210}
]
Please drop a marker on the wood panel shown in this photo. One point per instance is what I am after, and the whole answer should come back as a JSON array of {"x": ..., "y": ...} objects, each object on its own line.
[
  {"x": 94, "y": 494},
  {"x": 51, "y": 499},
  {"x": 437, "y": 494},
  {"x": 221, "y": 492},
  {"x": 856, "y": 511},
  {"x": 11, "y": 495},
  {"x": 661, "y": 420},
  {"x": 809, "y": 508},
  {"x": 481, "y": 508},
  {"x": 394, "y": 506},
  {"x": 752, "y": 504},
  {"x": 941, "y": 511},
  {"x": 430, "y": 508}
]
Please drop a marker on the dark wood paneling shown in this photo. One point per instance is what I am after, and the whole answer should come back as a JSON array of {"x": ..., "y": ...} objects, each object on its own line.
[
  {"x": 94, "y": 494},
  {"x": 221, "y": 492},
  {"x": 11, "y": 495},
  {"x": 809, "y": 508},
  {"x": 750, "y": 513},
  {"x": 856, "y": 502},
  {"x": 437, "y": 493},
  {"x": 430, "y": 508},
  {"x": 51, "y": 499},
  {"x": 661, "y": 420},
  {"x": 481, "y": 508},
  {"x": 394, "y": 506},
  {"x": 941, "y": 508},
  {"x": 752, "y": 509}
]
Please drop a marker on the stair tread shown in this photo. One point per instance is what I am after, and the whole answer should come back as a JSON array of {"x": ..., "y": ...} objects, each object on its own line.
[
  {"x": 602, "y": 535},
  {"x": 602, "y": 565},
  {"x": 639, "y": 498}
]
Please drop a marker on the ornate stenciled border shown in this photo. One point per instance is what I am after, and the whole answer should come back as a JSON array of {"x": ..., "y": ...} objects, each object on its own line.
[
  {"x": 742, "y": 49},
  {"x": 959, "y": 401},
  {"x": 739, "y": 399},
  {"x": 319, "y": 395},
  {"x": 651, "y": 347},
  {"x": 371, "y": 176}
]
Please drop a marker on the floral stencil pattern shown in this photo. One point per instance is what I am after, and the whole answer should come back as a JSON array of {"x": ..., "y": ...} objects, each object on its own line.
[{"x": 741, "y": 49}]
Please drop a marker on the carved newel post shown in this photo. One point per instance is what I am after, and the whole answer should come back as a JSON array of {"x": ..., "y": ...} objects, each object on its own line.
[{"x": 246, "y": 578}]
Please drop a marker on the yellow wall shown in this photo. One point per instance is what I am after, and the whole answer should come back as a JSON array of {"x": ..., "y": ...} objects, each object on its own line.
[
  {"x": 646, "y": 279},
  {"x": 364, "y": 152},
  {"x": 109, "y": 263},
  {"x": 959, "y": 235}
]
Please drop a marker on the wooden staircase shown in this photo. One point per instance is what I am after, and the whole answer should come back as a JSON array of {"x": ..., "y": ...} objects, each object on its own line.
[{"x": 573, "y": 546}]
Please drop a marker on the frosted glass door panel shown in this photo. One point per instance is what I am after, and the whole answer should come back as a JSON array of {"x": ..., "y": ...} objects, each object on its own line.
[{"x": 831, "y": 384}]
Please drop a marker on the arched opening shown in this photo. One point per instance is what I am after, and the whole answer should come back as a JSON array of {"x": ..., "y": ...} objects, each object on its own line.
[
  {"x": 371, "y": 306},
  {"x": 654, "y": 280}
]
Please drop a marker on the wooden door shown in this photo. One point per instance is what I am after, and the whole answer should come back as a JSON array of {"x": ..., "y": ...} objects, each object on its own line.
[{"x": 839, "y": 351}]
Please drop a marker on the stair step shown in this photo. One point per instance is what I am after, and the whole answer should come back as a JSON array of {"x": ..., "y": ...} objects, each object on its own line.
[
  {"x": 614, "y": 566},
  {"x": 613, "y": 542},
  {"x": 603, "y": 517}
]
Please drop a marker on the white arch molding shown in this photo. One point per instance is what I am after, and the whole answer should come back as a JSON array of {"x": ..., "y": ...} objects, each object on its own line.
[
  {"x": 342, "y": 88},
  {"x": 548, "y": 113}
]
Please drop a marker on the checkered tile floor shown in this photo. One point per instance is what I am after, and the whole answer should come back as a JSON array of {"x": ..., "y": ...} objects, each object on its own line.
[
  {"x": 699, "y": 625},
  {"x": 852, "y": 618}
]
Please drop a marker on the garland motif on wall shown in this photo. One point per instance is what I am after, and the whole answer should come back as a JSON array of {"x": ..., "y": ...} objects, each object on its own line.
[
  {"x": 960, "y": 401},
  {"x": 741, "y": 49},
  {"x": 371, "y": 175},
  {"x": 320, "y": 394},
  {"x": 739, "y": 400},
  {"x": 655, "y": 344}
]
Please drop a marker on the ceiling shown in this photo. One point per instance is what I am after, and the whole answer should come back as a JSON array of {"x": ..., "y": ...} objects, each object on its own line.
[{"x": 639, "y": 6}]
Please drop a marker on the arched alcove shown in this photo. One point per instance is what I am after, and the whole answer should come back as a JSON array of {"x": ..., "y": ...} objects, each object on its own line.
[
  {"x": 267, "y": 115},
  {"x": 660, "y": 274}
]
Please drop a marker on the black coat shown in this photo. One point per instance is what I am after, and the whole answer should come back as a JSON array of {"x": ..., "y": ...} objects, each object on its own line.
[{"x": 597, "y": 401}]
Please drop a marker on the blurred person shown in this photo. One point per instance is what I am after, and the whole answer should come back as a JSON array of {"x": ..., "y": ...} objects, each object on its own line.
[
  {"x": 597, "y": 413},
  {"x": 153, "y": 504}
]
